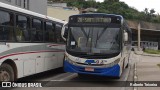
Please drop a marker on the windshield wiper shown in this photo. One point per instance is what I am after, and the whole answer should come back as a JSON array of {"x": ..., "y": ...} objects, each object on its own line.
[
  {"x": 98, "y": 37},
  {"x": 84, "y": 31},
  {"x": 103, "y": 31},
  {"x": 87, "y": 35},
  {"x": 96, "y": 40}
]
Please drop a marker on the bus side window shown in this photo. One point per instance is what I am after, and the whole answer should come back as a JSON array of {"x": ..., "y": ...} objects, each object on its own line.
[
  {"x": 49, "y": 32},
  {"x": 6, "y": 26},
  {"x": 37, "y": 31},
  {"x": 59, "y": 39},
  {"x": 22, "y": 32}
]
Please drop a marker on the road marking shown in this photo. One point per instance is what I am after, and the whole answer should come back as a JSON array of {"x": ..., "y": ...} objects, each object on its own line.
[
  {"x": 64, "y": 79},
  {"x": 55, "y": 77},
  {"x": 135, "y": 75},
  {"x": 69, "y": 77}
]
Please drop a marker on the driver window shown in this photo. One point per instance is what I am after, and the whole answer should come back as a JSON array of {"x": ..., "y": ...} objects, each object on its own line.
[{"x": 37, "y": 31}]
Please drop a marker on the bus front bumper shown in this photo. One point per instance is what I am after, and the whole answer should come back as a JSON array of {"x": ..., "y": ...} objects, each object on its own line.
[{"x": 109, "y": 71}]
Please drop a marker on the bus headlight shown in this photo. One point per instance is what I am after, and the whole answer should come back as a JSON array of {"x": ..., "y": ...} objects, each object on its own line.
[{"x": 113, "y": 63}]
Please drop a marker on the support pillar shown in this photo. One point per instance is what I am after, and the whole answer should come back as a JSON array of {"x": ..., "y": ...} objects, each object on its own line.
[{"x": 139, "y": 37}]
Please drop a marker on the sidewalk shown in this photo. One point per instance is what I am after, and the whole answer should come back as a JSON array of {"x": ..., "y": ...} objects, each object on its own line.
[{"x": 148, "y": 70}]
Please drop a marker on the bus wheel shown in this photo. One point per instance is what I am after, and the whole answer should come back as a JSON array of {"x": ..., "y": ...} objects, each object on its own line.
[
  {"x": 127, "y": 65},
  {"x": 6, "y": 73}
]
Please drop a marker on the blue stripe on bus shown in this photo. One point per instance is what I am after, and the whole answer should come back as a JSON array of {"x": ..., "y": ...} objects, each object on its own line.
[{"x": 110, "y": 71}]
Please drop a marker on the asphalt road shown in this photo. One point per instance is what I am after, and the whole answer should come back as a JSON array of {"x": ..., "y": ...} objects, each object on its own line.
[{"x": 58, "y": 80}]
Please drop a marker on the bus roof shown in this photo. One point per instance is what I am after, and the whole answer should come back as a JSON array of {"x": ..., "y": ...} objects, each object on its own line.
[
  {"x": 10, "y": 7},
  {"x": 97, "y": 14}
]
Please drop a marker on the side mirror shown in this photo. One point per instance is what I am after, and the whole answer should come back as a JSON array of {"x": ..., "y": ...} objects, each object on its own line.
[{"x": 125, "y": 36}]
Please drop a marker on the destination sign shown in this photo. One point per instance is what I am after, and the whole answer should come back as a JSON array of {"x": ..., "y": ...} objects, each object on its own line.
[{"x": 93, "y": 20}]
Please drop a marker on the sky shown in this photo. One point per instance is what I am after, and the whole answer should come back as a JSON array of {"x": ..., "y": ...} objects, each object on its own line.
[{"x": 140, "y": 5}]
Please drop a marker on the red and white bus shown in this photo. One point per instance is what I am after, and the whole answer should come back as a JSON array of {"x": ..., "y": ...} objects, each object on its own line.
[{"x": 30, "y": 43}]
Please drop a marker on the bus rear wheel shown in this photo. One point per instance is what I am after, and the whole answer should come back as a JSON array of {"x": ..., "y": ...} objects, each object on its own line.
[{"x": 6, "y": 73}]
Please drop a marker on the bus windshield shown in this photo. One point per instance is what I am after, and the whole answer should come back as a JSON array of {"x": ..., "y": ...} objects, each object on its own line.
[{"x": 93, "y": 39}]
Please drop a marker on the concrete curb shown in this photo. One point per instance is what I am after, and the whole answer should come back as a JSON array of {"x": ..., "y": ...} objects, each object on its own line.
[
  {"x": 135, "y": 77},
  {"x": 152, "y": 55},
  {"x": 145, "y": 54},
  {"x": 138, "y": 52}
]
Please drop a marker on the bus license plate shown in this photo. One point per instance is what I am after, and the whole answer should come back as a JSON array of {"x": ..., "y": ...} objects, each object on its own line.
[{"x": 89, "y": 69}]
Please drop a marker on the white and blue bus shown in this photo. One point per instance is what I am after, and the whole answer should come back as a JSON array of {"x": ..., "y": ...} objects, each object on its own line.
[{"x": 97, "y": 44}]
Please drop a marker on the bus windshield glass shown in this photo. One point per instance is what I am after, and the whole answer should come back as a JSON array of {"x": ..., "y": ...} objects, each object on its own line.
[{"x": 94, "y": 39}]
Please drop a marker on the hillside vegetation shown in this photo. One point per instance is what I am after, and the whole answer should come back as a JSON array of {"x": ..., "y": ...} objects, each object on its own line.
[{"x": 115, "y": 7}]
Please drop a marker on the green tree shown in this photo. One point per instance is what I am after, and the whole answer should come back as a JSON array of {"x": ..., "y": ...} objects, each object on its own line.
[{"x": 117, "y": 7}]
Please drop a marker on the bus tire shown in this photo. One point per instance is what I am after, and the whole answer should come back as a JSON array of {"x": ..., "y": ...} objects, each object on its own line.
[
  {"x": 62, "y": 68},
  {"x": 127, "y": 65},
  {"x": 122, "y": 69},
  {"x": 63, "y": 60},
  {"x": 6, "y": 72}
]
